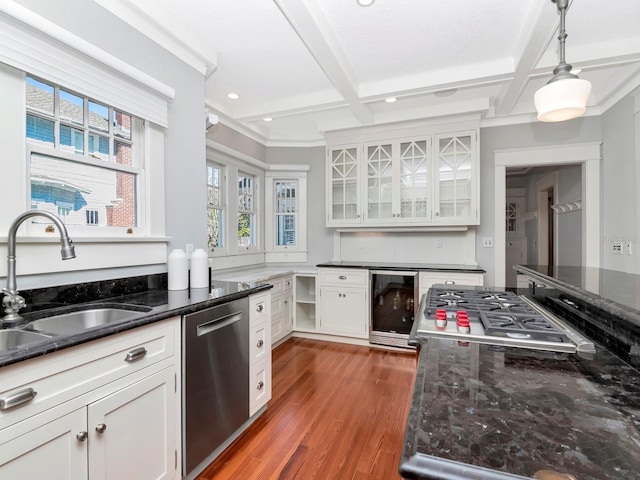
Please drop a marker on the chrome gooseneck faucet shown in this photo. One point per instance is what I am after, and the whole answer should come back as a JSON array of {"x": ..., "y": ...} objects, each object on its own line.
[{"x": 12, "y": 302}]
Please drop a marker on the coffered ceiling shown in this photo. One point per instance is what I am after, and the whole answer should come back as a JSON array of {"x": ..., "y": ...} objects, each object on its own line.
[{"x": 319, "y": 65}]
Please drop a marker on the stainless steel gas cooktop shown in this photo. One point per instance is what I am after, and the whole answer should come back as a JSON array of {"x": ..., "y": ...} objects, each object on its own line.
[{"x": 496, "y": 317}]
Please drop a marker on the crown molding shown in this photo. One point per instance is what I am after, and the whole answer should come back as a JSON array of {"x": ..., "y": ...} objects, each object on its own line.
[{"x": 129, "y": 13}]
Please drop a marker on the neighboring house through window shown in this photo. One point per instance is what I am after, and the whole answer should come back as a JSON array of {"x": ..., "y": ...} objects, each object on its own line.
[
  {"x": 81, "y": 158},
  {"x": 246, "y": 211},
  {"x": 215, "y": 206}
]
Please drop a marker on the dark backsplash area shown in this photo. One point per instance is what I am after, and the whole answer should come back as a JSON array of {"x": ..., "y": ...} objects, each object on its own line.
[
  {"x": 620, "y": 337},
  {"x": 51, "y": 297}
]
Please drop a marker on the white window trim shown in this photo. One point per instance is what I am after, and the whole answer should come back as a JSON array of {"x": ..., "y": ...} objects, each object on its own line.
[
  {"x": 36, "y": 45},
  {"x": 39, "y": 254},
  {"x": 292, "y": 253}
]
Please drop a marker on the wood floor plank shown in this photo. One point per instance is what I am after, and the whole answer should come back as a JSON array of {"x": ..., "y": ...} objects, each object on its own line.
[{"x": 338, "y": 412}]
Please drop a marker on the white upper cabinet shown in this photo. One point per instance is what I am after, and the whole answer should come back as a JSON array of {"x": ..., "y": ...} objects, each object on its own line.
[
  {"x": 430, "y": 179},
  {"x": 343, "y": 185},
  {"x": 456, "y": 185},
  {"x": 398, "y": 181}
]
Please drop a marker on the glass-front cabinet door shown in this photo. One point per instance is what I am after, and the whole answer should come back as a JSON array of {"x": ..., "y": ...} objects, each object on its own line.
[
  {"x": 414, "y": 163},
  {"x": 343, "y": 195},
  {"x": 380, "y": 179},
  {"x": 455, "y": 185}
]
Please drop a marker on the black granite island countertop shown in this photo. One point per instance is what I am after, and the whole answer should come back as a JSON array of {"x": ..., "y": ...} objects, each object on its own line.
[
  {"x": 148, "y": 292},
  {"x": 433, "y": 267},
  {"x": 485, "y": 412}
]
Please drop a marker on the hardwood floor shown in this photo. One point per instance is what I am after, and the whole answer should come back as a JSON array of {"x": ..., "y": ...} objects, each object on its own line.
[{"x": 338, "y": 412}]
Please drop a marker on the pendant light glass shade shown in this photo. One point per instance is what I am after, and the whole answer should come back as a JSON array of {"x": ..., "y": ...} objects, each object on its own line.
[
  {"x": 562, "y": 99},
  {"x": 565, "y": 96}
]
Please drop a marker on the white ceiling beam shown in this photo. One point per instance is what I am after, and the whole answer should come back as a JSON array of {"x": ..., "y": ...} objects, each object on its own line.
[
  {"x": 543, "y": 20},
  {"x": 312, "y": 27}
]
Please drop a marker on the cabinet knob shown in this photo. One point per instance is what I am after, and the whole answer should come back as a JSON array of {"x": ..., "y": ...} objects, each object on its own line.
[
  {"x": 342, "y": 277},
  {"x": 260, "y": 385},
  {"x": 288, "y": 284},
  {"x": 260, "y": 343},
  {"x": 437, "y": 214},
  {"x": 260, "y": 308},
  {"x": 82, "y": 436},
  {"x": 101, "y": 427}
]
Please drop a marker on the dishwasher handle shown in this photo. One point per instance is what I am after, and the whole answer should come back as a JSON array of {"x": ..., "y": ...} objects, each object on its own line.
[{"x": 218, "y": 323}]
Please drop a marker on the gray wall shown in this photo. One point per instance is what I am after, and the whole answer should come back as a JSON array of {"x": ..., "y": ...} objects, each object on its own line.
[
  {"x": 584, "y": 129},
  {"x": 184, "y": 139},
  {"x": 240, "y": 143},
  {"x": 620, "y": 183},
  {"x": 319, "y": 238}
]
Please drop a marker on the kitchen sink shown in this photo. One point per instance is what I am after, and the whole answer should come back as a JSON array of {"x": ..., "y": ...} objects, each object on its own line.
[
  {"x": 77, "y": 321},
  {"x": 12, "y": 338}
]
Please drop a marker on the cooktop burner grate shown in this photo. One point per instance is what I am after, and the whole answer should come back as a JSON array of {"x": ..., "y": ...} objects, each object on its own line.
[{"x": 517, "y": 325}]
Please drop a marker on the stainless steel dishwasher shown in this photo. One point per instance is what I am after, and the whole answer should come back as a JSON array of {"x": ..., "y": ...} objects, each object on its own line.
[{"x": 215, "y": 379}]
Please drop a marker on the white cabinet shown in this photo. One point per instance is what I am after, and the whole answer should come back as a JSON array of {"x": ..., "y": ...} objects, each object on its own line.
[
  {"x": 397, "y": 184},
  {"x": 430, "y": 179},
  {"x": 427, "y": 279},
  {"x": 305, "y": 302},
  {"x": 281, "y": 307},
  {"x": 259, "y": 351},
  {"x": 343, "y": 185},
  {"x": 343, "y": 305},
  {"x": 456, "y": 188},
  {"x": 99, "y": 408}
]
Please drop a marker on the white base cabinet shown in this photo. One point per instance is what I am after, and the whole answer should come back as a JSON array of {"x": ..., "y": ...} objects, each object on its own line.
[
  {"x": 96, "y": 415},
  {"x": 281, "y": 307},
  {"x": 259, "y": 351},
  {"x": 343, "y": 304}
]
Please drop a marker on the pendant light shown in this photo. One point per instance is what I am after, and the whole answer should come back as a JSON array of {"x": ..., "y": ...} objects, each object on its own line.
[{"x": 565, "y": 96}]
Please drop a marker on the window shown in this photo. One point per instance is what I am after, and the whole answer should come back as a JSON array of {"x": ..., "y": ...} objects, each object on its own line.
[
  {"x": 215, "y": 206},
  {"x": 82, "y": 159},
  {"x": 285, "y": 212},
  {"x": 246, "y": 211},
  {"x": 286, "y": 207}
]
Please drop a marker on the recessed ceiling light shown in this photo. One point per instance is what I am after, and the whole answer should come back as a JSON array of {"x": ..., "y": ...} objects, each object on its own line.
[
  {"x": 365, "y": 3},
  {"x": 233, "y": 96},
  {"x": 390, "y": 99},
  {"x": 267, "y": 119}
]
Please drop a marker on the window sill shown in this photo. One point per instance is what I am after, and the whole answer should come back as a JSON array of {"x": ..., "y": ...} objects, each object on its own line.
[{"x": 38, "y": 255}]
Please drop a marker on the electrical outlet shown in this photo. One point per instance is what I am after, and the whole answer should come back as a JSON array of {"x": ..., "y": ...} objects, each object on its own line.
[
  {"x": 189, "y": 249},
  {"x": 487, "y": 242},
  {"x": 439, "y": 242},
  {"x": 617, "y": 247},
  {"x": 629, "y": 249}
]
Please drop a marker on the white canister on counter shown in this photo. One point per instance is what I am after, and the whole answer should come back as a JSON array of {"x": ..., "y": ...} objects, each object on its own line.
[
  {"x": 178, "y": 270},
  {"x": 199, "y": 269}
]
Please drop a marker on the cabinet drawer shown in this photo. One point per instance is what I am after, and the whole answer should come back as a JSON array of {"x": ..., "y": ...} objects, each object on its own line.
[
  {"x": 260, "y": 345},
  {"x": 61, "y": 376},
  {"x": 344, "y": 276},
  {"x": 427, "y": 279},
  {"x": 260, "y": 307},
  {"x": 259, "y": 386}
]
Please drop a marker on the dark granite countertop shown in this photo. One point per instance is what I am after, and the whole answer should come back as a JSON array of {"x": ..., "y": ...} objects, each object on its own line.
[
  {"x": 617, "y": 293},
  {"x": 482, "y": 412},
  {"x": 148, "y": 291},
  {"x": 373, "y": 265}
]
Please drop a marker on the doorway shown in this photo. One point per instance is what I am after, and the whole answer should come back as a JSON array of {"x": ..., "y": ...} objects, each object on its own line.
[{"x": 588, "y": 155}]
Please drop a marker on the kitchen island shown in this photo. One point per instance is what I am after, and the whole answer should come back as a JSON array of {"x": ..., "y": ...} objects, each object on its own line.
[{"x": 487, "y": 412}]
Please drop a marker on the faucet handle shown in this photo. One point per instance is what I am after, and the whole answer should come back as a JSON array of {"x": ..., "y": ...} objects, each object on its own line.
[{"x": 12, "y": 301}]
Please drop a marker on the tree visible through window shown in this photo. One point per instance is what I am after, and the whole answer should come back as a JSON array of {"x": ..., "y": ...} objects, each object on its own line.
[
  {"x": 215, "y": 204},
  {"x": 286, "y": 211},
  {"x": 246, "y": 211}
]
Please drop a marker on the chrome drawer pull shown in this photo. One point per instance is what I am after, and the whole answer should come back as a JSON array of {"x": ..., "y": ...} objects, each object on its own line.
[
  {"x": 260, "y": 343},
  {"x": 101, "y": 427},
  {"x": 342, "y": 277},
  {"x": 135, "y": 354},
  {"x": 449, "y": 282},
  {"x": 288, "y": 284},
  {"x": 82, "y": 436},
  {"x": 260, "y": 385},
  {"x": 17, "y": 398},
  {"x": 260, "y": 308}
]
